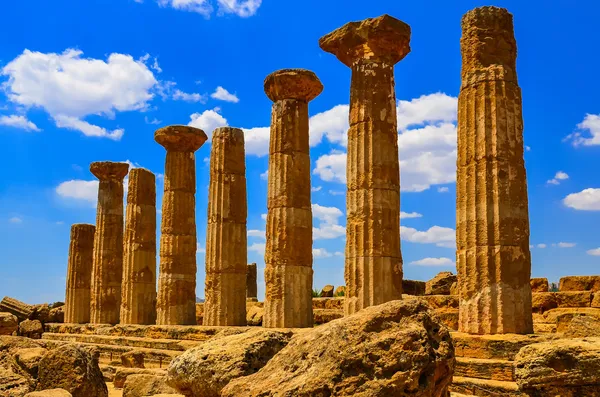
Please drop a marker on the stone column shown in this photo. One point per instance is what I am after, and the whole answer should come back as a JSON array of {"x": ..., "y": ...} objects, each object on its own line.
[
  {"x": 79, "y": 274},
  {"x": 288, "y": 253},
  {"x": 176, "y": 302},
  {"x": 251, "y": 284},
  {"x": 107, "y": 271},
  {"x": 373, "y": 268},
  {"x": 138, "y": 304},
  {"x": 226, "y": 240},
  {"x": 492, "y": 220}
]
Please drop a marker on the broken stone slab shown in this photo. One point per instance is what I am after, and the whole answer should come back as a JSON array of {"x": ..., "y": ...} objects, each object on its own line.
[
  {"x": 20, "y": 309},
  {"x": 583, "y": 326},
  {"x": 440, "y": 284},
  {"x": 327, "y": 291},
  {"x": 580, "y": 283},
  {"x": 29, "y": 359},
  {"x": 133, "y": 359},
  {"x": 32, "y": 329},
  {"x": 122, "y": 374},
  {"x": 146, "y": 385},
  {"x": 539, "y": 285},
  {"x": 9, "y": 323},
  {"x": 413, "y": 287}
]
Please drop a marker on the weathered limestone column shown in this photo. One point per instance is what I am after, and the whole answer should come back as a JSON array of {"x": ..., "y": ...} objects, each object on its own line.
[
  {"x": 138, "y": 304},
  {"x": 79, "y": 274},
  {"x": 288, "y": 253},
  {"x": 251, "y": 284},
  {"x": 176, "y": 302},
  {"x": 226, "y": 240},
  {"x": 492, "y": 231},
  {"x": 107, "y": 271},
  {"x": 373, "y": 269}
]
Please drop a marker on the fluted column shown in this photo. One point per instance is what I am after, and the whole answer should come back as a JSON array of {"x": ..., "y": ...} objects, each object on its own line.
[
  {"x": 79, "y": 274},
  {"x": 107, "y": 271},
  {"x": 373, "y": 265},
  {"x": 138, "y": 304},
  {"x": 288, "y": 253},
  {"x": 176, "y": 300},
  {"x": 492, "y": 232},
  {"x": 251, "y": 285},
  {"x": 226, "y": 240}
]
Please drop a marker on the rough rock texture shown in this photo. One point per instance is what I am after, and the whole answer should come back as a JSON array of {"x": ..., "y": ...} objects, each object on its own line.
[
  {"x": 565, "y": 368},
  {"x": 583, "y": 326},
  {"x": 177, "y": 279},
  {"x": 79, "y": 274},
  {"x": 29, "y": 359},
  {"x": 15, "y": 379},
  {"x": 40, "y": 312},
  {"x": 373, "y": 260},
  {"x": 539, "y": 285},
  {"x": 251, "y": 284},
  {"x": 32, "y": 329},
  {"x": 206, "y": 369},
  {"x": 440, "y": 284},
  {"x": 340, "y": 291},
  {"x": 255, "y": 315},
  {"x": 199, "y": 313},
  {"x": 57, "y": 315},
  {"x": 327, "y": 292},
  {"x": 122, "y": 374},
  {"x": 146, "y": 385},
  {"x": 399, "y": 348},
  {"x": 226, "y": 241},
  {"x": 74, "y": 369},
  {"x": 107, "y": 268},
  {"x": 20, "y": 309},
  {"x": 412, "y": 287},
  {"x": 288, "y": 252},
  {"x": 50, "y": 393},
  {"x": 567, "y": 313},
  {"x": 322, "y": 316},
  {"x": 9, "y": 323},
  {"x": 138, "y": 305},
  {"x": 492, "y": 233},
  {"x": 580, "y": 283},
  {"x": 133, "y": 359}
]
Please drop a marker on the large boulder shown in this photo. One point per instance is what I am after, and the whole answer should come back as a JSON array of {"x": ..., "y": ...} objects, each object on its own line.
[
  {"x": 9, "y": 323},
  {"x": 121, "y": 374},
  {"x": 15, "y": 380},
  {"x": 50, "y": 393},
  {"x": 73, "y": 368},
  {"x": 440, "y": 284},
  {"x": 564, "y": 367},
  {"x": 57, "y": 315},
  {"x": 133, "y": 359},
  {"x": 32, "y": 329},
  {"x": 582, "y": 327},
  {"x": 580, "y": 283},
  {"x": 40, "y": 312},
  {"x": 254, "y": 316},
  {"x": 327, "y": 291},
  {"x": 29, "y": 359},
  {"x": 400, "y": 348},
  {"x": 412, "y": 287},
  {"x": 539, "y": 285},
  {"x": 146, "y": 385},
  {"x": 204, "y": 370}
]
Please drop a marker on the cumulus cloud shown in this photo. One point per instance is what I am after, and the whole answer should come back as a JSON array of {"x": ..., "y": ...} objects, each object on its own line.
[
  {"x": 588, "y": 133},
  {"x": 316, "y": 188},
  {"x": 258, "y": 248},
  {"x": 319, "y": 253},
  {"x": 560, "y": 176},
  {"x": 257, "y": 141},
  {"x": 594, "y": 252},
  {"x": 332, "y": 124},
  {"x": 409, "y": 215},
  {"x": 17, "y": 121},
  {"x": 179, "y": 95},
  {"x": 566, "y": 245},
  {"x": 542, "y": 245},
  {"x": 331, "y": 167},
  {"x": 329, "y": 227},
  {"x": 433, "y": 262},
  {"x": 256, "y": 233},
  {"x": 202, "y": 7},
  {"x": 79, "y": 190},
  {"x": 440, "y": 236},
  {"x": 208, "y": 121},
  {"x": 223, "y": 95},
  {"x": 70, "y": 87},
  {"x": 241, "y": 8},
  {"x": 443, "y": 189},
  {"x": 586, "y": 200},
  {"x": 265, "y": 175}
]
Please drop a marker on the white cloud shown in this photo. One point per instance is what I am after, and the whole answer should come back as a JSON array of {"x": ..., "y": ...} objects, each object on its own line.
[
  {"x": 336, "y": 193},
  {"x": 69, "y": 87},
  {"x": 527, "y": 148},
  {"x": 256, "y": 233},
  {"x": 542, "y": 246},
  {"x": 433, "y": 262},
  {"x": 257, "y": 141},
  {"x": 589, "y": 132},
  {"x": 242, "y": 8},
  {"x": 179, "y": 95},
  {"x": 263, "y": 217},
  {"x": 202, "y": 7},
  {"x": 586, "y": 200},
  {"x": 338, "y": 253},
  {"x": 19, "y": 122},
  {"x": 332, "y": 124},
  {"x": 440, "y": 236},
  {"x": 265, "y": 175},
  {"x": 200, "y": 249},
  {"x": 594, "y": 252},
  {"x": 566, "y": 245},
  {"x": 259, "y": 248},
  {"x": 15, "y": 219},
  {"x": 79, "y": 190},
  {"x": 331, "y": 167},
  {"x": 443, "y": 189},
  {"x": 73, "y": 123},
  {"x": 329, "y": 227},
  {"x": 560, "y": 176},
  {"x": 316, "y": 188},
  {"x": 437, "y": 107},
  {"x": 319, "y": 253},
  {"x": 207, "y": 121},
  {"x": 154, "y": 121},
  {"x": 409, "y": 215},
  {"x": 223, "y": 95}
]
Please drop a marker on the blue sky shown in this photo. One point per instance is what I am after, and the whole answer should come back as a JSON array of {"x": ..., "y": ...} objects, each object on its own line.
[{"x": 84, "y": 81}]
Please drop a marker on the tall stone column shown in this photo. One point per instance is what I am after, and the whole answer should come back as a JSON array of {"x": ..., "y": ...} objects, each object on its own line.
[
  {"x": 288, "y": 253},
  {"x": 107, "y": 271},
  {"x": 176, "y": 302},
  {"x": 79, "y": 274},
  {"x": 251, "y": 284},
  {"x": 492, "y": 219},
  {"x": 138, "y": 304},
  {"x": 373, "y": 268},
  {"x": 226, "y": 240}
]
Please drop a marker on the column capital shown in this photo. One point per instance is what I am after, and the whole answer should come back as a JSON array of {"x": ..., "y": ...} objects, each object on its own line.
[
  {"x": 107, "y": 170},
  {"x": 384, "y": 38},
  {"x": 300, "y": 84},
  {"x": 180, "y": 138}
]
